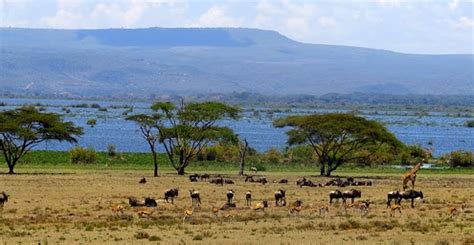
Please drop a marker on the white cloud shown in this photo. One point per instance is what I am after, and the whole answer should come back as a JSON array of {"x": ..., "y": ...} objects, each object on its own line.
[
  {"x": 464, "y": 22},
  {"x": 390, "y": 3},
  {"x": 216, "y": 16},
  {"x": 453, "y": 4}
]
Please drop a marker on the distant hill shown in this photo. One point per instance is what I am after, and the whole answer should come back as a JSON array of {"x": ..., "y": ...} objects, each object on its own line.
[{"x": 155, "y": 61}]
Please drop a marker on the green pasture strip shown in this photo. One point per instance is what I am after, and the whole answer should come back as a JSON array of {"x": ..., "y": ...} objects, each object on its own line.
[{"x": 57, "y": 160}]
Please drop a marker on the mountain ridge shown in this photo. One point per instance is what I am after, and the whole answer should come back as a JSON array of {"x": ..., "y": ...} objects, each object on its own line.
[{"x": 208, "y": 60}]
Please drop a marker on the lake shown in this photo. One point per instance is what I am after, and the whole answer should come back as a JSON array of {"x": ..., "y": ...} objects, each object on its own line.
[{"x": 441, "y": 133}]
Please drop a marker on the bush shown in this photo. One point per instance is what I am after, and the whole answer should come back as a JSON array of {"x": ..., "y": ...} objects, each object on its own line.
[
  {"x": 142, "y": 235},
  {"x": 91, "y": 122},
  {"x": 460, "y": 158},
  {"x": 81, "y": 155},
  {"x": 111, "y": 150},
  {"x": 470, "y": 124},
  {"x": 273, "y": 156}
]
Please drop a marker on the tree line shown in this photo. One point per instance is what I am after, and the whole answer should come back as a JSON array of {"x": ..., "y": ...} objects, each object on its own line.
[{"x": 185, "y": 130}]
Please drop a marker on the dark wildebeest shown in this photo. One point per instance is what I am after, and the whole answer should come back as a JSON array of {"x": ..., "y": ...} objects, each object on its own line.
[
  {"x": 229, "y": 181},
  {"x": 410, "y": 194},
  {"x": 305, "y": 182},
  {"x": 262, "y": 180},
  {"x": 280, "y": 196},
  {"x": 248, "y": 198},
  {"x": 353, "y": 193},
  {"x": 3, "y": 199},
  {"x": 149, "y": 202},
  {"x": 392, "y": 195},
  {"x": 337, "y": 194},
  {"x": 171, "y": 194},
  {"x": 281, "y": 181},
  {"x": 204, "y": 177},
  {"x": 218, "y": 181},
  {"x": 195, "y": 197},
  {"x": 230, "y": 195},
  {"x": 142, "y": 181},
  {"x": 194, "y": 177},
  {"x": 249, "y": 178}
]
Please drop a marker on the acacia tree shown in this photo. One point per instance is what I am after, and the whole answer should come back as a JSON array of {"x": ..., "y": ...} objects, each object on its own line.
[
  {"x": 337, "y": 138},
  {"x": 23, "y": 128},
  {"x": 185, "y": 129},
  {"x": 148, "y": 128}
]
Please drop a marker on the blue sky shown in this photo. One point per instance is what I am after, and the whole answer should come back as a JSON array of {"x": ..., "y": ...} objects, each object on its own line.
[{"x": 410, "y": 26}]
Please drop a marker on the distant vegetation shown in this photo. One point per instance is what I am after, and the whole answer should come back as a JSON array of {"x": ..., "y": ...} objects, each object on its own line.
[{"x": 470, "y": 124}]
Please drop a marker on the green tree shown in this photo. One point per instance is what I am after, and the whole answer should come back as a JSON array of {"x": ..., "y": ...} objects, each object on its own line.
[
  {"x": 149, "y": 125},
  {"x": 336, "y": 137},
  {"x": 91, "y": 122},
  {"x": 186, "y": 129},
  {"x": 23, "y": 128}
]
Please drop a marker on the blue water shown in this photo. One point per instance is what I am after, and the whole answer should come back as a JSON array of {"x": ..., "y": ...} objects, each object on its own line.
[{"x": 442, "y": 134}]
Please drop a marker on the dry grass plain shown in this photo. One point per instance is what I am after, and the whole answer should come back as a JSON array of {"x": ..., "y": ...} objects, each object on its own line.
[{"x": 75, "y": 208}]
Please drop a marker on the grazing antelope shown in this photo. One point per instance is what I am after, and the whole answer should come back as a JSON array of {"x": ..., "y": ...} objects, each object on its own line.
[
  {"x": 171, "y": 194},
  {"x": 248, "y": 198},
  {"x": 394, "y": 208},
  {"x": 260, "y": 206},
  {"x": 145, "y": 213},
  {"x": 454, "y": 211},
  {"x": 215, "y": 211},
  {"x": 3, "y": 199},
  {"x": 230, "y": 196},
  {"x": 323, "y": 210},
  {"x": 188, "y": 214},
  {"x": 296, "y": 207},
  {"x": 117, "y": 208},
  {"x": 195, "y": 197},
  {"x": 142, "y": 180},
  {"x": 280, "y": 197}
]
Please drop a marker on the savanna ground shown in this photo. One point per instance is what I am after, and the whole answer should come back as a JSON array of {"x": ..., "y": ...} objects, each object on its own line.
[{"x": 74, "y": 206}]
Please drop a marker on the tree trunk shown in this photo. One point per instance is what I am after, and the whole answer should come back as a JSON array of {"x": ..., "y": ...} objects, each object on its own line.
[
  {"x": 180, "y": 170},
  {"x": 328, "y": 172},
  {"x": 155, "y": 162},
  {"x": 322, "y": 169},
  {"x": 10, "y": 168},
  {"x": 242, "y": 166}
]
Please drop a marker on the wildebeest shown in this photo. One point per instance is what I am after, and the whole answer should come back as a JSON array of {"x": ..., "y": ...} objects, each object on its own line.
[
  {"x": 249, "y": 178},
  {"x": 194, "y": 177},
  {"x": 280, "y": 196},
  {"x": 248, "y": 198},
  {"x": 262, "y": 180},
  {"x": 337, "y": 194},
  {"x": 3, "y": 199},
  {"x": 218, "y": 181},
  {"x": 229, "y": 181},
  {"x": 410, "y": 194},
  {"x": 230, "y": 195},
  {"x": 148, "y": 202},
  {"x": 195, "y": 197},
  {"x": 281, "y": 181},
  {"x": 205, "y": 177},
  {"x": 352, "y": 193},
  {"x": 392, "y": 195},
  {"x": 171, "y": 194},
  {"x": 142, "y": 180},
  {"x": 304, "y": 182}
]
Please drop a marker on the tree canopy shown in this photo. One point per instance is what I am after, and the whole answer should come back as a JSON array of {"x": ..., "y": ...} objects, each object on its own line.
[
  {"x": 185, "y": 129},
  {"x": 23, "y": 128},
  {"x": 337, "y": 137}
]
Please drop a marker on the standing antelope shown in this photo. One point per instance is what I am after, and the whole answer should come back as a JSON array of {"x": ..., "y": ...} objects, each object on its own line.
[
  {"x": 248, "y": 198},
  {"x": 188, "y": 214},
  {"x": 195, "y": 197},
  {"x": 394, "y": 208}
]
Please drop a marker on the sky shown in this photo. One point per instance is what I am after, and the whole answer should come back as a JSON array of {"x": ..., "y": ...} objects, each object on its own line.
[{"x": 409, "y": 26}]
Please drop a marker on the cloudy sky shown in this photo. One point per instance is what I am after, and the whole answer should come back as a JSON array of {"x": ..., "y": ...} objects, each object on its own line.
[{"x": 411, "y": 26}]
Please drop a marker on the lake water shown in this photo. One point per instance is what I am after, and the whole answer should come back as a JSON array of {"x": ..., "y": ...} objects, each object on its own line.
[{"x": 443, "y": 134}]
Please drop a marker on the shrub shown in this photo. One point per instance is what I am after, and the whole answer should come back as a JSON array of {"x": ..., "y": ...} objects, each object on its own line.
[
  {"x": 142, "y": 235},
  {"x": 470, "y": 124},
  {"x": 197, "y": 238},
  {"x": 154, "y": 238},
  {"x": 273, "y": 155},
  {"x": 461, "y": 158},
  {"x": 91, "y": 122},
  {"x": 111, "y": 150},
  {"x": 81, "y": 155}
]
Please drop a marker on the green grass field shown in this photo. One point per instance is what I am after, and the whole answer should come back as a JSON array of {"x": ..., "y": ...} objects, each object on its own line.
[{"x": 60, "y": 161}]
